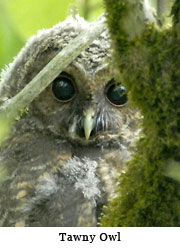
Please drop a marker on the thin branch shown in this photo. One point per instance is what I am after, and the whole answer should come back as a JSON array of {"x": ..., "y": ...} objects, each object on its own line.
[{"x": 11, "y": 107}]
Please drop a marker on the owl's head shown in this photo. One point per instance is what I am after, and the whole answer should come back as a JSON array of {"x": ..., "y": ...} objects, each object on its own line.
[{"x": 85, "y": 102}]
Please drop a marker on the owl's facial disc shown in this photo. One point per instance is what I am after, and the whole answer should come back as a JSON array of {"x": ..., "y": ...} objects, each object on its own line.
[
  {"x": 88, "y": 115},
  {"x": 88, "y": 123}
]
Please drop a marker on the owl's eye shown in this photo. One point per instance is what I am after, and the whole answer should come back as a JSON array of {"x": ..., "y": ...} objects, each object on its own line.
[
  {"x": 63, "y": 88},
  {"x": 116, "y": 94}
]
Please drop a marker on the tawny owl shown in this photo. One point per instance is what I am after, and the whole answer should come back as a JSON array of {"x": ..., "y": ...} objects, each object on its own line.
[{"x": 63, "y": 156}]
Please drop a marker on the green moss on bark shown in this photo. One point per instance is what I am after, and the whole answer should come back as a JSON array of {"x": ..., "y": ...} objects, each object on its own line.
[{"x": 149, "y": 64}]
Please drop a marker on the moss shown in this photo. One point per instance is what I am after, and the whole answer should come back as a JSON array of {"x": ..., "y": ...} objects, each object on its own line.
[{"x": 149, "y": 66}]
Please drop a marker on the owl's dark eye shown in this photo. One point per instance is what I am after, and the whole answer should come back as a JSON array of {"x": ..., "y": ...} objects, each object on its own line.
[
  {"x": 116, "y": 94},
  {"x": 63, "y": 88}
]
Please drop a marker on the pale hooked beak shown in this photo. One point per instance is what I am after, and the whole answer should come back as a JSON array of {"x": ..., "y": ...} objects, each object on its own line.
[{"x": 88, "y": 123}]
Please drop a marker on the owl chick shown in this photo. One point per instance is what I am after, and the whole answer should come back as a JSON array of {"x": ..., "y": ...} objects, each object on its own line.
[{"x": 63, "y": 156}]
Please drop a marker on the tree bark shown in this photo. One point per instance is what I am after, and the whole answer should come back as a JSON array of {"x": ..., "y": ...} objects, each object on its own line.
[{"x": 148, "y": 63}]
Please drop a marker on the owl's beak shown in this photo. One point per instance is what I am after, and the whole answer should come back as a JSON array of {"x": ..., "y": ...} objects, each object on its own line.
[{"x": 88, "y": 123}]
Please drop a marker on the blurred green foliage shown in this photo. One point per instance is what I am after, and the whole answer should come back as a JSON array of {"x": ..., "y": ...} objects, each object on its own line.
[
  {"x": 31, "y": 15},
  {"x": 10, "y": 40},
  {"x": 19, "y": 19},
  {"x": 90, "y": 9}
]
